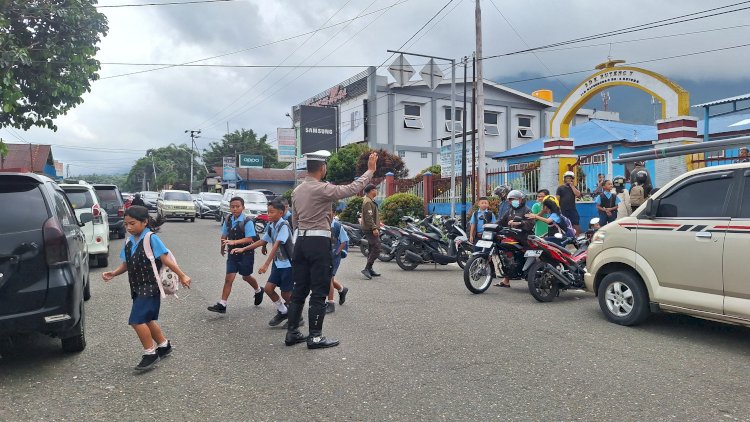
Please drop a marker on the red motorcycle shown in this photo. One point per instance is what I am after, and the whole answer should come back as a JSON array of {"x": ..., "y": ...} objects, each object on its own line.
[{"x": 557, "y": 268}]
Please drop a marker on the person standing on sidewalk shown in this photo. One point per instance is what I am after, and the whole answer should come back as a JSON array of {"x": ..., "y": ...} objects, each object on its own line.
[
  {"x": 567, "y": 193},
  {"x": 312, "y": 260},
  {"x": 371, "y": 229}
]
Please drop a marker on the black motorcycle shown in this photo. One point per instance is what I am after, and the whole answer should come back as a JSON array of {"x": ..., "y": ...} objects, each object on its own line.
[
  {"x": 505, "y": 252},
  {"x": 419, "y": 247},
  {"x": 354, "y": 231},
  {"x": 390, "y": 237}
]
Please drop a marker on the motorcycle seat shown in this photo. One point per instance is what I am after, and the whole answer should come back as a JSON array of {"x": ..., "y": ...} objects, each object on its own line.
[
  {"x": 352, "y": 225},
  {"x": 432, "y": 236}
]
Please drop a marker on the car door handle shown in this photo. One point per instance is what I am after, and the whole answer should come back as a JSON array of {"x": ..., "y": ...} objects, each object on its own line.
[{"x": 703, "y": 235}]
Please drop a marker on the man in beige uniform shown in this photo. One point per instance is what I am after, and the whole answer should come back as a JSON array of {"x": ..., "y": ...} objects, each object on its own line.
[{"x": 311, "y": 263}]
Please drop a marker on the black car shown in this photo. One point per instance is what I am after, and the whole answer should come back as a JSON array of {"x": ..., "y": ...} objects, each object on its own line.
[
  {"x": 150, "y": 198},
  {"x": 111, "y": 200},
  {"x": 207, "y": 204},
  {"x": 44, "y": 263}
]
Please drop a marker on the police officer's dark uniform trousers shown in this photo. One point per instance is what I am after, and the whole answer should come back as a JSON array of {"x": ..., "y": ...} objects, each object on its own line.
[{"x": 311, "y": 263}]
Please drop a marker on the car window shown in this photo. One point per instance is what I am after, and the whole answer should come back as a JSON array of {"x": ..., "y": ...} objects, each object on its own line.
[
  {"x": 745, "y": 205},
  {"x": 63, "y": 211},
  {"x": 23, "y": 207},
  {"x": 701, "y": 198},
  {"x": 253, "y": 198},
  {"x": 79, "y": 199},
  {"x": 107, "y": 195},
  {"x": 177, "y": 196},
  {"x": 211, "y": 197}
]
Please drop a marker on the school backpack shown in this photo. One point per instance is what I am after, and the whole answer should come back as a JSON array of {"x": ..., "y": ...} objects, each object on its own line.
[
  {"x": 167, "y": 280},
  {"x": 240, "y": 226},
  {"x": 569, "y": 230},
  {"x": 637, "y": 195},
  {"x": 286, "y": 252}
]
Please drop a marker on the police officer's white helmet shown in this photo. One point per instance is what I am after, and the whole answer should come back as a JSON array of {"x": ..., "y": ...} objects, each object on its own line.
[{"x": 569, "y": 174}]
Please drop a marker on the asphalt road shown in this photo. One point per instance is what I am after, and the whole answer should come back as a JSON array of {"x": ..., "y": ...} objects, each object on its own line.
[{"x": 415, "y": 346}]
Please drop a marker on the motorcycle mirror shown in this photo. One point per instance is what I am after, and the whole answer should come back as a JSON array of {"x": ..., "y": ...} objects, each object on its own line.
[
  {"x": 558, "y": 235},
  {"x": 594, "y": 221}
]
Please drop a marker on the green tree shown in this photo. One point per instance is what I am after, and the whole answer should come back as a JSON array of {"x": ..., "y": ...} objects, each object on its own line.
[
  {"x": 342, "y": 165},
  {"x": 352, "y": 209},
  {"x": 399, "y": 205},
  {"x": 387, "y": 162},
  {"x": 109, "y": 179},
  {"x": 172, "y": 166},
  {"x": 241, "y": 142},
  {"x": 47, "y": 63}
]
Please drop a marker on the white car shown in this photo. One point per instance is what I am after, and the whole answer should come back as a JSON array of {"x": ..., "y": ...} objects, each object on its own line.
[
  {"x": 83, "y": 198},
  {"x": 255, "y": 203},
  {"x": 175, "y": 204}
]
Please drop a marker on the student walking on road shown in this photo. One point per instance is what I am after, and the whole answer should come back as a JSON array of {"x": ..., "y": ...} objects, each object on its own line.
[
  {"x": 144, "y": 289},
  {"x": 311, "y": 212},
  {"x": 371, "y": 229},
  {"x": 237, "y": 230},
  {"x": 339, "y": 249},
  {"x": 279, "y": 235}
]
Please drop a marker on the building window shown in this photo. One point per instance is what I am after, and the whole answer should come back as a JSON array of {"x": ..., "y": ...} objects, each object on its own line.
[
  {"x": 716, "y": 154},
  {"x": 490, "y": 123},
  {"x": 424, "y": 155},
  {"x": 412, "y": 119},
  {"x": 458, "y": 120},
  {"x": 519, "y": 166},
  {"x": 402, "y": 153},
  {"x": 600, "y": 158},
  {"x": 524, "y": 127},
  {"x": 354, "y": 120}
]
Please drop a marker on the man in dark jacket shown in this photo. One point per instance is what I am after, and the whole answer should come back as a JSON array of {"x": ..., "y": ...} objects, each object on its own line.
[
  {"x": 371, "y": 229},
  {"x": 138, "y": 200},
  {"x": 515, "y": 218}
]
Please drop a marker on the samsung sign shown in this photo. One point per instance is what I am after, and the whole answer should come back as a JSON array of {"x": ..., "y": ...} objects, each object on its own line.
[{"x": 318, "y": 129}]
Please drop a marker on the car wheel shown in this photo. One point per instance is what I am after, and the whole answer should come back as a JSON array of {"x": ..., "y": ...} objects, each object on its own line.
[
  {"x": 202, "y": 216},
  {"x": 76, "y": 341},
  {"x": 103, "y": 261},
  {"x": 623, "y": 298},
  {"x": 121, "y": 233},
  {"x": 87, "y": 289}
]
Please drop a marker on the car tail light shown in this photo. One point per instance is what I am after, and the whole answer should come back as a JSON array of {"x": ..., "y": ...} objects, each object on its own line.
[
  {"x": 121, "y": 211},
  {"x": 96, "y": 210},
  {"x": 55, "y": 243}
]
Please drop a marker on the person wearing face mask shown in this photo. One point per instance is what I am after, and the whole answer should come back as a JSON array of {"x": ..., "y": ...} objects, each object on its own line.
[{"x": 515, "y": 218}]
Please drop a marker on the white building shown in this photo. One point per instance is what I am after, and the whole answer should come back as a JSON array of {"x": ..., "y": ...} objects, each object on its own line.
[{"x": 411, "y": 120}]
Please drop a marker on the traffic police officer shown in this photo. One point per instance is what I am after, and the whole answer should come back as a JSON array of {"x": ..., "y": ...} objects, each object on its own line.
[{"x": 311, "y": 263}]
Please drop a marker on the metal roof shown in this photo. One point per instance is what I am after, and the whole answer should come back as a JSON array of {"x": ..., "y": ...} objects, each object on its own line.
[{"x": 724, "y": 101}]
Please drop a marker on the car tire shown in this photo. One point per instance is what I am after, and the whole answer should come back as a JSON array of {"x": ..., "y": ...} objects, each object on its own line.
[
  {"x": 76, "y": 343},
  {"x": 87, "y": 290},
  {"x": 192, "y": 220},
  {"x": 623, "y": 298},
  {"x": 102, "y": 261}
]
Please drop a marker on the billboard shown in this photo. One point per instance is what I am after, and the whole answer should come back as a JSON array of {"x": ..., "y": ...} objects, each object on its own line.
[
  {"x": 318, "y": 129},
  {"x": 445, "y": 159},
  {"x": 230, "y": 169},
  {"x": 286, "y": 139}
]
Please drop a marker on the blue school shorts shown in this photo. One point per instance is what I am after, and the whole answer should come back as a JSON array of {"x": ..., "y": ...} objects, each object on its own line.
[
  {"x": 145, "y": 309},
  {"x": 242, "y": 263},
  {"x": 282, "y": 277},
  {"x": 335, "y": 264}
]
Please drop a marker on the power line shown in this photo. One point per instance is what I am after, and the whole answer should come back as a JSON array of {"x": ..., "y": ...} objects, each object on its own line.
[
  {"x": 257, "y": 46},
  {"x": 172, "y": 3}
]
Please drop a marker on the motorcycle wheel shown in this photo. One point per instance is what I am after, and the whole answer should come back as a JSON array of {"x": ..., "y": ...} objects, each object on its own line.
[
  {"x": 463, "y": 254},
  {"x": 403, "y": 260},
  {"x": 478, "y": 274},
  {"x": 543, "y": 286}
]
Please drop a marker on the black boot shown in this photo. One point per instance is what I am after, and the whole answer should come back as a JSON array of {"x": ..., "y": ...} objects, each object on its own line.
[
  {"x": 316, "y": 314},
  {"x": 293, "y": 336}
]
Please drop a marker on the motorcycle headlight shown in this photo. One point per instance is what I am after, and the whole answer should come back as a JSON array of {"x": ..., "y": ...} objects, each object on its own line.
[
  {"x": 599, "y": 236},
  {"x": 487, "y": 235}
]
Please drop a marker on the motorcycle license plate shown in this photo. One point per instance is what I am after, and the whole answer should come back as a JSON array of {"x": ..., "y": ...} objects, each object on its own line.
[
  {"x": 484, "y": 244},
  {"x": 533, "y": 254}
]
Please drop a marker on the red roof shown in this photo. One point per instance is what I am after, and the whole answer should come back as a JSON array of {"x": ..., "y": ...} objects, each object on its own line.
[{"x": 27, "y": 156}]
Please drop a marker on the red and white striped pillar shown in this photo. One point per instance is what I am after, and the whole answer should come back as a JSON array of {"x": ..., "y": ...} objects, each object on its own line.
[
  {"x": 678, "y": 130},
  {"x": 556, "y": 153}
]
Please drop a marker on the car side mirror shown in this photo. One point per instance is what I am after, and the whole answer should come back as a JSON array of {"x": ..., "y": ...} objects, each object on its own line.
[
  {"x": 86, "y": 217},
  {"x": 652, "y": 207}
]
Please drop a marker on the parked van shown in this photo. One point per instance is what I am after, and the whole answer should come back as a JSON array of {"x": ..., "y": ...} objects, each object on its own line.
[{"x": 682, "y": 251}]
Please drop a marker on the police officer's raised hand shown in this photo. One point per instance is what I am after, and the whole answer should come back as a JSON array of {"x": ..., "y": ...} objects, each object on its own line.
[{"x": 372, "y": 162}]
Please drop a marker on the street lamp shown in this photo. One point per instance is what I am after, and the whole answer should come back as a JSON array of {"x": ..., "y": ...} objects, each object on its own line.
[{"x": 193, "y": 135}]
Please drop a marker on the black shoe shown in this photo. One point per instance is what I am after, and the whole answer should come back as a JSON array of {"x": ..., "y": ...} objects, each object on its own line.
[
  {"x": 366, "y": 273},
  {"x": 147, "y": 362},
  {"x": 164, "y": 351},
  {"x": 277, "y": 319},
  {"x": 321, "y": 343},
  {"x": 259, "y": 297},
  {"x": 218, "y": 308},
  {"x": 301, "y": 323},
  {"x": 294, "y": 337},
  {"x": 330, "y": 307},
  {"x": 342, "y": 295},
  {"x": 373, "y": 273}
]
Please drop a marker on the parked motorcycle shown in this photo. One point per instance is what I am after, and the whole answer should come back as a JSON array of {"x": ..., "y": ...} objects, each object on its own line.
[
  {"x": 460, "y": 245},
  {"x": 556, "y": 268},
  {"x": 418, "y": 247},
  {"x": 505, "y": 252},
  {"x": 390, "y": 237},
  {"x": 354, "y": 231}
]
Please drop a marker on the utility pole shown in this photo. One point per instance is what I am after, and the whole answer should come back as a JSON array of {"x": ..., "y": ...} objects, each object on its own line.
[
  {"x": 482, "y": 171},
  {"x": 193, "y": 135},
  {"x": 463, "y": 152},
  {"x": 153, "y": 165},
  {"x": 474, "y": 129}
]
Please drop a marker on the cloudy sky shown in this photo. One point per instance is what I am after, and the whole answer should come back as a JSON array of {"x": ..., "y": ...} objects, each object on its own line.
[{"x": 125, "y": 115}]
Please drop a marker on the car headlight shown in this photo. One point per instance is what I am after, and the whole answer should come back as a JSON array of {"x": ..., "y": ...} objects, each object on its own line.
[
  {"x": 599, "y": 236},
  {"x": 487, "y": 235}
]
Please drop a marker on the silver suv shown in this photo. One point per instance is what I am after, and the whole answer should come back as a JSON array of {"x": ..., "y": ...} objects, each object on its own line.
[{"x": 682, "y": 251}]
